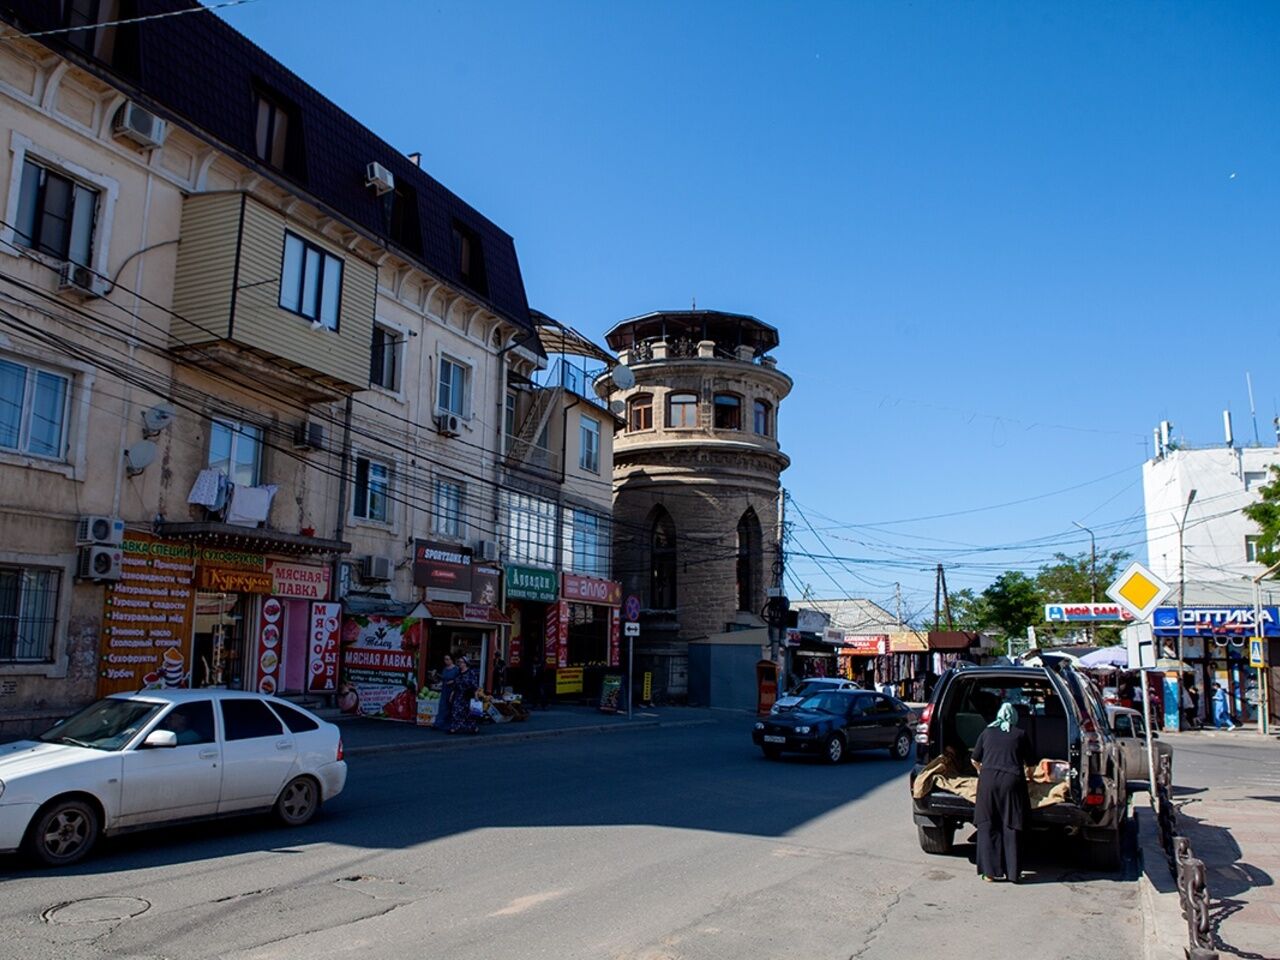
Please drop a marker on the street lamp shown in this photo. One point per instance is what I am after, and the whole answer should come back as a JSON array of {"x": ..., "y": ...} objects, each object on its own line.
[
  {"x": 1093, "y": 572},
  {"x": 1182, "y": 576}
]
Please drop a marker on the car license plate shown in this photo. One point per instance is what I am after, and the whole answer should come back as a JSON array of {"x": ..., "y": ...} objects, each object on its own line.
[{"x": 769, "y": 739}]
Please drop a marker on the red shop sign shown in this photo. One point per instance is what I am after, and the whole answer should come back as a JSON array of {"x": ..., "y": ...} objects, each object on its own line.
[
  {"x": 322, "y": 647},
  {"x": 591, "y": 590}
]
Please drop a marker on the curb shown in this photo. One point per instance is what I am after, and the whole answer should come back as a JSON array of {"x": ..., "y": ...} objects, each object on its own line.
[
  {"x": 1162, "y": 920},
  {"x": 505, "y": 738}
]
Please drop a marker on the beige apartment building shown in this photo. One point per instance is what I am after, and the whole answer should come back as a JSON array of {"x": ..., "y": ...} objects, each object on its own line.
[{"x": 253, "y": 362}]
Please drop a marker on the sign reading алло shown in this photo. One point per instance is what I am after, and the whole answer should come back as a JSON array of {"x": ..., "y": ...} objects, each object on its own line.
[{"x": 1138, "y": 590}]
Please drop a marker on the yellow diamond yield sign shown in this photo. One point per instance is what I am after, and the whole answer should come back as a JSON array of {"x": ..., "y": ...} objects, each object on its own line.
[{"x": 1138, "y": 590}]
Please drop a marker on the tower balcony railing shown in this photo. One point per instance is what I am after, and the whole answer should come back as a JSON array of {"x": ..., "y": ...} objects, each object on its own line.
[{"x": 687, "y": 348}]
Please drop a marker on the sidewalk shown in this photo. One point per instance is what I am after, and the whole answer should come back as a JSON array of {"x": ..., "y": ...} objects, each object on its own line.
[
  {"x": 361, "y": 736},
  {"x": 1227, "y": 793}
]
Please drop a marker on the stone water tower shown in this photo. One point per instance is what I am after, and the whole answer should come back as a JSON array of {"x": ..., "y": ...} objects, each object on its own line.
[{"x": 695, "y": 478}]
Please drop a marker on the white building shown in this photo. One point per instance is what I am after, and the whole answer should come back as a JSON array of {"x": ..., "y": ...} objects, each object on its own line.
[{"x": 1219, "y": 541}]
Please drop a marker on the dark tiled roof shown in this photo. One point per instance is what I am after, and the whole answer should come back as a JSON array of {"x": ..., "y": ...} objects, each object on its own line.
[{"x": 203, "y": 73}]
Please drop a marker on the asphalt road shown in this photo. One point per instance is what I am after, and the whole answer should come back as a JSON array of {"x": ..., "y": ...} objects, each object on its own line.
[{"x": 659, "y": 844}]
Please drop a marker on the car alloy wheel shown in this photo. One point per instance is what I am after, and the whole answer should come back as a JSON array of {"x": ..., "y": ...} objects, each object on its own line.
[
  {"x": 65, "y": 833},
  {"x": 902, "y": 745},
  {"x": 835, "y": 749},
  {"x": 298, "y": 801}
]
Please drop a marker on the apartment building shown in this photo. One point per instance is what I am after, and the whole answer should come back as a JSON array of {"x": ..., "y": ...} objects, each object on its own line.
[{"x": 256, "y": 370}]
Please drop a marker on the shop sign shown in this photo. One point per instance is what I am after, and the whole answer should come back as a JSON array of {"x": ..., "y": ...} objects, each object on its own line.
[
  {"x": 811, "y": 621},
  {"x": 299, "y": 581},
  {"x": 532, "y": 583},
  {"x": 442, "y": 566},
  {"x": 1085, "y": 612},
  {"x": 516, "y": 650},
  {"x": 227, "y": 580},
  {"x": 485, "y": 582},
  {"x": 865, "y": 646},
  {"x": 615, "y": 637},
  {"x": 147, "y": 617},
  {"x": 568, "y": 680},
  {"x": 591, "y": 590},
  {"x": 267, "y": 667},
  {"x": 833, "y": 636},
  {"x": 233, "y": 559},
  {"x": 562, "y": 630},
  {"x": 482, "y": 612},
  {"x": 907, "y": 643},
  {"x": 1215, "y": 622},
  {"x": 792, "y": 637},
  {"x": 322, "y": 647},
  {"x": 379, "y": 667},
  {"x": 610, "y": 693}
]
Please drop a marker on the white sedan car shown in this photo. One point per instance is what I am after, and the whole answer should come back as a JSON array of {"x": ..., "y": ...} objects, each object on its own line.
[
  {"x": 807, "y": 688},
  {"x": 156, "y": 758}
]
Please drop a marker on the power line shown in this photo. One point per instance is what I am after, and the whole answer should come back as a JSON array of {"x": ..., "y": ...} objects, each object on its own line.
[{"x": 119, "y": 23}]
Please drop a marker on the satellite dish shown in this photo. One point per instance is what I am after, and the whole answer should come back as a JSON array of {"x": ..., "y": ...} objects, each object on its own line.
[
  {"x": 155, "y": 419},
  {"x": 140, "y": 456},
  {"x": 623, "y": 378},
  {"x": 617, "y": 407}
]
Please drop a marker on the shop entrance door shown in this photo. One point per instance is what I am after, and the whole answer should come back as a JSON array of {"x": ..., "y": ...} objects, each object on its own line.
[{"x": 218, "y": 653}]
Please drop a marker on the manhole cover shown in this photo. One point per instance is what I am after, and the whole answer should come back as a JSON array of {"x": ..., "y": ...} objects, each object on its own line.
[{"x": 96, "y": 910}]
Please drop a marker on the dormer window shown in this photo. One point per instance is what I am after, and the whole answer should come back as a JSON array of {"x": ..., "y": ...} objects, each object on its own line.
[
  {"x": 93, "y": 28},
  {"x": 277, "y": 133},
  {"x": 403, "y": 218},
  {"x": 470, "y": 258}
]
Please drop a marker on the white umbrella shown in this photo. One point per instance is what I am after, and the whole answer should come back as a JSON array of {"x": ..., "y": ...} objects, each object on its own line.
[{"x": 1103, "y": 657}]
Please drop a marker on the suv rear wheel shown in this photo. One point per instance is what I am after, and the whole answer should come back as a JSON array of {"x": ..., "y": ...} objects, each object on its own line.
[
  {"x": 1103, "y": 853},
  {"x": 936, "y": 839}
]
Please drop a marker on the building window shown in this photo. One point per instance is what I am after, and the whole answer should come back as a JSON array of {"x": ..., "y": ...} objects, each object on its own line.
[
  {"x": 682, "y": 410},
  {"x": 1253, "y": 479},
  {"x": 373, "y": 484},
  {"x": 403, "y": 225},
  {"x": 589, "y": 435},
  {"x": 276, "y": 134},
  {"x": 470, "y": 258},
  {"x": 748, "y": 550},
  {"x": 447, "y": 509},
  {"x": 640, "y": 412},
  {"x": 589, "y": 544},
  {"x": 56, "y": 214},
  {"x": 662, "y": 554},
  {"x": 235, "y": 450},
  {"x": 529, "y": 528},
  {"x": 762, "y": 418},
  {"x": 28, "y": 614},
  {"x": 34, "y": 410},
  {"x": 509, "y": 419},
  {"x": 452, "y": 395},
  {"x": 384, "y": 358},
  {"x": 1251, "y": 549},
  {"x": 311, "y": 282},
  {"x": 103, "y": 37},
  {"x": 728, "y": 408}
]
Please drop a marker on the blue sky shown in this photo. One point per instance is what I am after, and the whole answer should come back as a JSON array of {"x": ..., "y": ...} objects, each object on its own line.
[{"x": 1000, "y": 240}]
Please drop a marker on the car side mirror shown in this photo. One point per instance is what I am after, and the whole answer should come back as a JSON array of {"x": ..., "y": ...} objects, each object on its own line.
[
  {"x": 160, "y": 739},
  {"x": 1154, "y": 735}
]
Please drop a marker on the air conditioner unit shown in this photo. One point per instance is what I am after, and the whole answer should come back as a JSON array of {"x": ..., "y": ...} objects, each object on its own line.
[
  {"x": 139, "y": 125},
  {"x": 487, "y": 549},
  {"x": 380, "y": 178},
  {"x": 308, "y": 436},
  {"x": 81, "y": 281},
  {"x": 99, "y": 563},
  {"x": 375, "y": 568},
  {"x": 448, "y": 425},
  {"x": 91, "y": 529}
]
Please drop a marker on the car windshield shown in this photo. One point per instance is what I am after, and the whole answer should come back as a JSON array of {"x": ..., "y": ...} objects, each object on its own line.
[
  {"x": 824, "y": 703},
  {"x": 809, "y": 687},
  {"x": 106, "y": 725}
]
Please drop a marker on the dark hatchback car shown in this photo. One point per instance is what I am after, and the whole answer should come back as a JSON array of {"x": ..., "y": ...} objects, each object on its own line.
[{"x": 831, "y": 724}]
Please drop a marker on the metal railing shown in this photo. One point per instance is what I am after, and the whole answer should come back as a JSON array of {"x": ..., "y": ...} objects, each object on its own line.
[{"x": 1188, "y": 872}]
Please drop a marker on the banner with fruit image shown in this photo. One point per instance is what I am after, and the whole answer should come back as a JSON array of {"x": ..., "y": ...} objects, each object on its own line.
[
  {"x": 380, "y": 666},
  {"x": 269, "y": 663}
]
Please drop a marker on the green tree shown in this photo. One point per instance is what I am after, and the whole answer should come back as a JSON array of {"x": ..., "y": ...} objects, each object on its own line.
[
  {"x": 969, "y": 611},
  {"x": 1266, "y": 514},
  {"x": 1014, "y": 602}
]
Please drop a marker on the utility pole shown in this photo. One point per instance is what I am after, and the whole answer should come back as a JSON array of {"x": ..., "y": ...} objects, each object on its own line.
[
  {"x": 946, "y": 597},
  {"x": 897, "y": 597},
  {"x": 1093, "y": 573},
  {"x": 775, "y": 610},
  {"x": 1182, "y": 575}
]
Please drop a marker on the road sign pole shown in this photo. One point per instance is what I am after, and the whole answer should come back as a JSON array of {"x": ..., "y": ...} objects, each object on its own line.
[{"x": 631, "y": 673}]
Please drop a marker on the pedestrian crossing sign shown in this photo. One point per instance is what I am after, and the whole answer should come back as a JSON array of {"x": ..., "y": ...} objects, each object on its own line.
[
  {"x": 1257, "y": 653},
  {"x": 1138, "y": 590}
]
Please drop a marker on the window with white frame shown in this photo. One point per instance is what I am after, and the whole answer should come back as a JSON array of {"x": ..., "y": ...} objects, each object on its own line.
[
  {"x": 589, "y": 453},
  {"x": 235, "y": 450},
  {"x": 588, "y": 543},
  {"x": 56, "y": 214},
  {"x": 451, "y": 396},
  {"x": 528, "y": 528},
  {"x": 447, "y": 508},
  {"x": 385, "y": 358},
  {"x": 1253, "y": 479},
  {"x": 371, "y": 496},
  {"x": 35, "y": 405},
  {"x": 310, "y": 282},
  {"x": 1251, "y": 548},
  {"x": 28, "y": 613}
]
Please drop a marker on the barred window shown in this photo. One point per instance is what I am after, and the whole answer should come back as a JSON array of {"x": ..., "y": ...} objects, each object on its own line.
[
  {"x": 28, "y": 614},
  {"x": 528, "y": 528}
]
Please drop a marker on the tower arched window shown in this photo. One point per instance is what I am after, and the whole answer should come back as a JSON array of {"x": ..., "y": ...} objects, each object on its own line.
[
  {"x": 662, "y": 562},
  {"x": 749, "y": 560},
  {"x": 728, "y": 407},
  {"x": 682, "y": 410},
  {"x": 762, "y": 418},
  {"x": 640, "y": 412}
]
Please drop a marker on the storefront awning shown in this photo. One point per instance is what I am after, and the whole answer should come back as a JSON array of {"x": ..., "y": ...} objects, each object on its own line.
[
  {"x": 480, "y": 614},
  {"x": 951, "y": 640},
  {"x": 251, "y": 538}
]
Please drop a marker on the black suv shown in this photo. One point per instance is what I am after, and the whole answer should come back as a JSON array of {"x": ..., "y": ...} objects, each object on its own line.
[{"x": 1063, "y": 714}]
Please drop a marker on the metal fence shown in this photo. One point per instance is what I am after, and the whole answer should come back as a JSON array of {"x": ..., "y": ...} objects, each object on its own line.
[{"x": 1188, "y": 872}]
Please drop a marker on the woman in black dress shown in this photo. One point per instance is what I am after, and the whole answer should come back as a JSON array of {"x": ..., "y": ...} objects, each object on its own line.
[{"x": 1001, "y": 756}]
